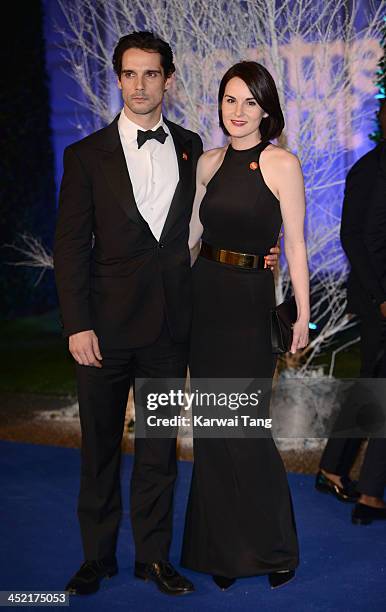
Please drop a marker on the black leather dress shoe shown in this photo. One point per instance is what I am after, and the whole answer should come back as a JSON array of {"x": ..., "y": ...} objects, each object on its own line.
[
  {"x": 88, "y": 578},
  {"x": 277, "y": 579},
  {"x": 167, "y": 579},
  {"x": 223, "y": 582},
  {"x": 346, "y": 493},
  {"x": 364, "y": 515}
]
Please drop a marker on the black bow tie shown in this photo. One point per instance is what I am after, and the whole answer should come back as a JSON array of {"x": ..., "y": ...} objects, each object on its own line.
[{"x": 158, "y": 134}]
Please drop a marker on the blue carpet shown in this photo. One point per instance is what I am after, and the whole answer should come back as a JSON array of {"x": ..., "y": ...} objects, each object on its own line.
[{"x": 342, "y": 566}]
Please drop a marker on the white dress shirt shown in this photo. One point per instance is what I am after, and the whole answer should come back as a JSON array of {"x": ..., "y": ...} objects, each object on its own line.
[{"x": 153, "y": 171}]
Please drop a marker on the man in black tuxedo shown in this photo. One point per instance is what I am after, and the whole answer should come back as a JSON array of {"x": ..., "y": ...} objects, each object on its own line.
[
  {"x": 363, "y": 236},
  {"x": 122, "y": 267}
]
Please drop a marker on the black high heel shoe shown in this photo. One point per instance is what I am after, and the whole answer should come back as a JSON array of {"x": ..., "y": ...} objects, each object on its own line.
[
  {"x": 277, "y": 579},
  {"x": 346, "y": 493},
  {"x": 222, "y": 582}
]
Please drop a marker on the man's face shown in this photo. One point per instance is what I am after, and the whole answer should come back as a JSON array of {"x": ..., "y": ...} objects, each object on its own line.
[{"x": 142, "y": 82}]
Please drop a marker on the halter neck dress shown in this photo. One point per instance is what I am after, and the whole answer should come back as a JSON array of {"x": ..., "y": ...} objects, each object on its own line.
[{"x": 239, "y": 519}]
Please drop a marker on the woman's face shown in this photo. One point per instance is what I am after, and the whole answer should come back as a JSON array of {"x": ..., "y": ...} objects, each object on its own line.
[{"x": 241, "y": 113}]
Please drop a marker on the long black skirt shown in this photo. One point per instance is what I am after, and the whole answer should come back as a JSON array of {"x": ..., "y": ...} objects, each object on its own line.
[{"x": 239, "y": 519}]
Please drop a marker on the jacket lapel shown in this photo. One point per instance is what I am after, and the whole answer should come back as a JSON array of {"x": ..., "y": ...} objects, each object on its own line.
[
  {"x": 183, "y": 152},
  {"x": 115, "y": 169}
]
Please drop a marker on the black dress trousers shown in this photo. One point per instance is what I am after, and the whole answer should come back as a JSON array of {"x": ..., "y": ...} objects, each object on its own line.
[
  {"x": 103, "y": 395},
  {"x": 340, "y": 453}
]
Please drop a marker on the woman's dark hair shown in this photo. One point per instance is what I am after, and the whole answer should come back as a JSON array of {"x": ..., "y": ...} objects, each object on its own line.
[
  {"x": 262, "y": 87},
  {"x": 147, "y": 42}
]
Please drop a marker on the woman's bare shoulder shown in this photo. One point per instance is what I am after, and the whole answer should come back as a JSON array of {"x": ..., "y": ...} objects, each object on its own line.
[
  {"x": 282, "y": 158},
  {"x": 209, "y": 162},
  {"x": 212, "y": 155}
]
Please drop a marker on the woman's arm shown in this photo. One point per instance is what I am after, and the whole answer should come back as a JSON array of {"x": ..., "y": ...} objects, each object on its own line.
[
  {"x": 207, "y": 166},
  {"x": 195, "y": 227},
  {"x": 292, "y": 204}
]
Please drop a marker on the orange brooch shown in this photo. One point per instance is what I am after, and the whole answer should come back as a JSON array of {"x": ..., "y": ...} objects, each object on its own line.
[
  {"x": 253, "y": 165},
  {"x": 185, "y": 156}
]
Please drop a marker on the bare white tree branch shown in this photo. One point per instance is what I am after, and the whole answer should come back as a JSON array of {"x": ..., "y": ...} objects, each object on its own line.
[{"x": 34, "y": 253}]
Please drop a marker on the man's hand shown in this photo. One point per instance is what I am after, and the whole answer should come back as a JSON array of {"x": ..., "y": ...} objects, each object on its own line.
[
  {"x": 84, "y": 348},
  {"x": 271, "y": 260},
  {"x": 382, "y": 308}
]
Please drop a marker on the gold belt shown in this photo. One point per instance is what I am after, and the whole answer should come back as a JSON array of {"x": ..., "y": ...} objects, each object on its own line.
[{"x": 243, "y": 260}]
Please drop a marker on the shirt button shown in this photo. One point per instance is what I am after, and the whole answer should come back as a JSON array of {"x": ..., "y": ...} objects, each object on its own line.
[{"x": 160, "y": 245}]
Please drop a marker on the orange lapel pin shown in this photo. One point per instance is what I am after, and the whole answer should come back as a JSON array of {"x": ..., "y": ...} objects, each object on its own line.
[
  {"x": 185, "y": 156},
  {"x": 253, "y": 165}
]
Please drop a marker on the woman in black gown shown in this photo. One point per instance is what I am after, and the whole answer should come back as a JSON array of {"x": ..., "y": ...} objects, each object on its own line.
[{"x": 240, "y": 519}]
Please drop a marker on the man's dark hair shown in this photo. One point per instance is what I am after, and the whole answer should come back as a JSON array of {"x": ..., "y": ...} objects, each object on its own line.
[
  {"x": 147, "y": 42},
  {"x": 262, "y": 87}
]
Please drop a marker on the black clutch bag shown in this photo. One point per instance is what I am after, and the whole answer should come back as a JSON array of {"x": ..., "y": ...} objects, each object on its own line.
[{"x": 282, "y": 319}]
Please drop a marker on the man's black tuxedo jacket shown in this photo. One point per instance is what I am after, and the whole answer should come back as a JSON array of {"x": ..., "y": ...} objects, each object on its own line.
[
  {"x": 112, "y": 275},
  {"x": 363, "y": 231}
]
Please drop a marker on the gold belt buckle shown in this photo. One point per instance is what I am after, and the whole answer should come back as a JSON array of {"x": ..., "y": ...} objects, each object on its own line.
[
  {"x": 244, "y": 260},
  {"x": 247, "y": 260}
]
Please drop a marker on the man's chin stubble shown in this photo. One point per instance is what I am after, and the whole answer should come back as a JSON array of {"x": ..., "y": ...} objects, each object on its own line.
[{"x": 141, "y": 110}]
